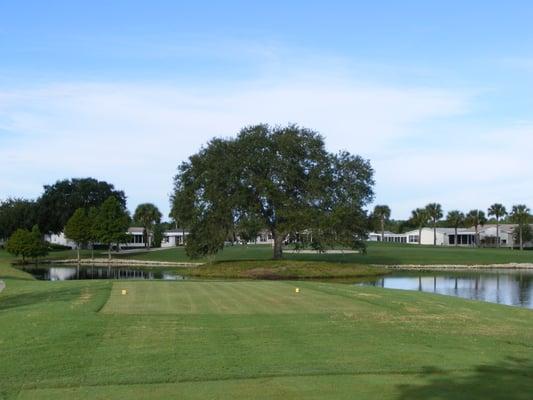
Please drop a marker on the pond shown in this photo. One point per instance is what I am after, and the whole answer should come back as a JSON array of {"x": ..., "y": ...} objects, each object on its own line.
[
  {"x": 513, "y": 288},
  {"x": 63, "y": 273}
]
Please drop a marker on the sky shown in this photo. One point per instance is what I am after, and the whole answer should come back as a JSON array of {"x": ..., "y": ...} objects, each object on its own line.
[{"x": 436, "y": 94}]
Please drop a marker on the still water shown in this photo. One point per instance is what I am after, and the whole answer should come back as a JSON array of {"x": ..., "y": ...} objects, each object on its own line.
[
  {"x": 513, "y": 288},
  {"x": 62, "y": 273}
]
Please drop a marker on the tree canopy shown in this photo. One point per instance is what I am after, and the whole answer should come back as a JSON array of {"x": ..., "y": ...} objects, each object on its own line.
[
  {"x": 282, "y": 176},
  {"x": 60, "y": 200},
  {"x": 79, "y": 228},
  {"x": 27, "y": 243},
  {"x": 111, "y": 223},
  {"x": 16, "y": 214}
]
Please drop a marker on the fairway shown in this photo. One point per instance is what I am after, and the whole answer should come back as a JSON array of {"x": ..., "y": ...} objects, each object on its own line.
[{"x": 255, "y": 339}]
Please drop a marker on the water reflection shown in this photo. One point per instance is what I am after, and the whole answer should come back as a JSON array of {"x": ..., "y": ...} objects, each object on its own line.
[
  {"x": 502, "y": 287},
  {"x": 63, "y": 273}
]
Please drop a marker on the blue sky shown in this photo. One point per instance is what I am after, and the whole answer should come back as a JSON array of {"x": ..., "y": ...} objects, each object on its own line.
[{"x": 436, "y": 94}]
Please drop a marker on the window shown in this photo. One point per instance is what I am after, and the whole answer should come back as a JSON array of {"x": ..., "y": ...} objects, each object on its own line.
[{"x": 413, "y": 238}]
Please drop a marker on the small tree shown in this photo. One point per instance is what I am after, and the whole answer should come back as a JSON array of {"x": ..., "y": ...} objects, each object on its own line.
[
  {"x": 79, "y": 229},
  {"x": 419, "y": 218},
  {"x": 92, "y": 216},
  {"x": 382, "y": 214},
  {"x": 497, "y": 211},
  {"x": 27, "y": 244},
  {"x": 456, "y": 219},
  {"x": 148, "y": 215},
  {"x": 476, "y": 218},
  {"x": 38, "y": 247},
  {"x": 17, "y": 243},
  {"x": 111, "y": 223},
  {"x": 520, "y": 215},
  {"x": 434, "y": 211}
]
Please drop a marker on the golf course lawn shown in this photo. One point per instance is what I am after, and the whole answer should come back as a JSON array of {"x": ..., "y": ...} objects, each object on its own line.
[
  {"x": 256, "y": 340},
  {"x": 377, "y": 254}
]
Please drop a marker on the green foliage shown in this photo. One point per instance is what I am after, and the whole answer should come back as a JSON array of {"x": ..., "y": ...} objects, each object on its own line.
[
  {"x": 60, "y": 200},
  {"x": 455, "y": 218},
  {"x": 158, "y": 230},
  {"x": 111, "y": 222},
  {"x": 282, "y": 176},
  {"x": 434, "y": 212},
  {"x": 380, "y": 216},
  {"x": 28, "y": 244},
  {"x": 16, "y": 214},
  {"x": 147, "y": 214},
  {"x": 476, "y": 218},
  {"x": 497, "y": 210},
  {"x": 520, "y": 215},
  {"x": 79, "y": 227},
  {"x": 419, "y": 217}
]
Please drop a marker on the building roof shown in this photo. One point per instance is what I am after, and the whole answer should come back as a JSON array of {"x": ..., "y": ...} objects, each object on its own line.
[
  {"x": 136, "y": 230},
  {"x": 444, "y": 231}
]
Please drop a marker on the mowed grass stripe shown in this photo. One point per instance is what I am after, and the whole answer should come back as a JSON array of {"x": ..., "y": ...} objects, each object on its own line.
[{"x": 222, "y": 298}]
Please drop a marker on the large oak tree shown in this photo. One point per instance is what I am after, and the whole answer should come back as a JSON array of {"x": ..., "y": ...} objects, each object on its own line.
[
  {"x": 59, "y": 201},
  {"x": 282, "y": 176}
]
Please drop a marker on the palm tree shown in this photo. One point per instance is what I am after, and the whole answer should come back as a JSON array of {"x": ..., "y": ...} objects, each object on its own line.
[
  {"x": 498, "y": 211},
  {"x": 382, "y": 212},
  {"x": 434, "y": 211},
  {"x": 455, "y": 218},
  {"x": 148, "y": 215},
  {"x": 476, "y": 218},
  {"x": 420, "y": 218},
  {"x": 520, "y": 215}
]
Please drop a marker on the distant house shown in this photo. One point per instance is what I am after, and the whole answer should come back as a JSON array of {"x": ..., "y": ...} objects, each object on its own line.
[
  {"x": 446, "y": 236},
  {"x": 59, "y": 239},
  {"x": 174, "y": 237},
  {"x": 136, "y": 238},
  {"x": 388, "y": 237}
]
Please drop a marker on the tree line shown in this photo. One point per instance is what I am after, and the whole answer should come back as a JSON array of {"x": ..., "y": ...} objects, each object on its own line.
[
  {"x": 433, "y": 215},
  {"x": 80, "y": 209}
]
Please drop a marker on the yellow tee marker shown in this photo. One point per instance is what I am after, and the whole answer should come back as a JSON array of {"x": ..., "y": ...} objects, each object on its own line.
[
  {"x": 297, "y": 290},
  {"x": 124, "y": 291}
]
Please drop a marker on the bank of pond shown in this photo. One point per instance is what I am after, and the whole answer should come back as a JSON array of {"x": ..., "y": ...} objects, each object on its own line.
[{"x": 509, "y": 287}]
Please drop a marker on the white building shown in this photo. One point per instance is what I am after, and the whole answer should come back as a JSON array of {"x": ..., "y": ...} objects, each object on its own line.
[
  {"x": 388, "y": 237},
  {"x": 136, "y": 238},
  {"x": 60, "y": 239},
  {"x": 445, "y": 237},
  {"x": 174, "y": 237}
]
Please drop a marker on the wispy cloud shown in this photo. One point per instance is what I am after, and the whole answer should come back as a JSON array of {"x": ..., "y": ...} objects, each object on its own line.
[{"x": 135, "y": 135}]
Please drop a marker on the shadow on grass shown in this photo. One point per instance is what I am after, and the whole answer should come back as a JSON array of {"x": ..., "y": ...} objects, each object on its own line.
[
  {"x": 511, "y": 380},
  {"x": 31, "y": 298}
]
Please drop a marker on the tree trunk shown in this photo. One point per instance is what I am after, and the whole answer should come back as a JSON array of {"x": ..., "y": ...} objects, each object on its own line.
[
  {"x": 78, "y": 254},
  {"x": 109, "y": 252},
  {"x": 434, "y": 233},
  {"x": 497, "y": 232},
  {"x": 382, "y": 230},
  {"x": 477, "y": 237},
  {"x": 419, "y": 235},
  {"x": 521, "y": 240},
  {"x": 456, "y": 238},
  {"x": 278, "y": 243}
]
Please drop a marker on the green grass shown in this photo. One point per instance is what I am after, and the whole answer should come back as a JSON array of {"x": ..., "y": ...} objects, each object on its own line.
[
  {"x": 256, "y": 339},
  {"x": 378, "y": 254},
  {"x": 282, "y": 269}
]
